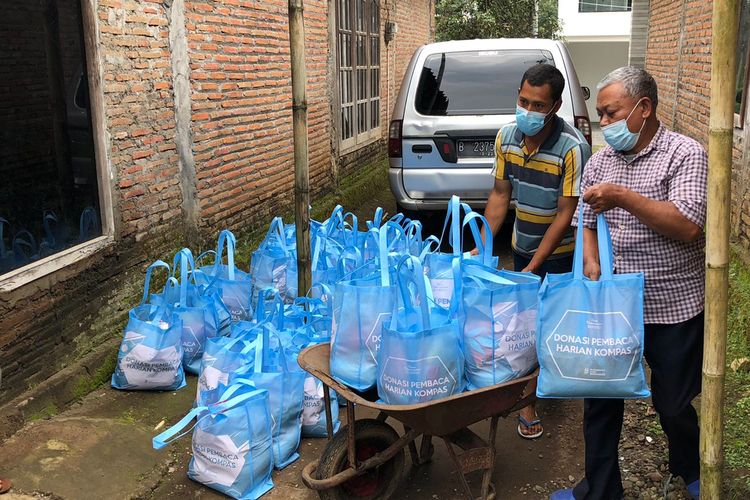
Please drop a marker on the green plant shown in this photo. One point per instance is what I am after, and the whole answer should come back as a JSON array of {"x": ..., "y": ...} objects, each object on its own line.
[
  {"x": 87, "y": 384},
  {"x": 48, "y": 411}
]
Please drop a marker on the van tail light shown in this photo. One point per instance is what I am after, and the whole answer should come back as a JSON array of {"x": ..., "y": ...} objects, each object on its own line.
[
  {"x": 447, "y": 149},
  {"x": 394, "y": 139},
  {"x": 583, "y": 124}
]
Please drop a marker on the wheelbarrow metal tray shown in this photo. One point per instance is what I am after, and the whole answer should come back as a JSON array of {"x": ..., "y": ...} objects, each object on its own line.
[{"x": 436, "y": 418}]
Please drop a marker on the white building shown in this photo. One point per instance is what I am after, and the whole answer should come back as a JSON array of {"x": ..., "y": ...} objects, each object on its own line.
[{"x": 597, "y": 34}]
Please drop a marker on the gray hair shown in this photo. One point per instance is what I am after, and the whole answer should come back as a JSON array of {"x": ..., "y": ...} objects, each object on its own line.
[{"x": 636, "y": 81}]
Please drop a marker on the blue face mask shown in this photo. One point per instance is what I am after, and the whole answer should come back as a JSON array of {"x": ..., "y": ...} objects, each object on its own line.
[
  {"x": 530, "y": 122},
  {"x": 619, "y": 136}
]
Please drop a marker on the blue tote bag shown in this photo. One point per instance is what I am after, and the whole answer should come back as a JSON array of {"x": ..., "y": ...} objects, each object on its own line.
[
  {"x": 420, "y": 356},
  {"x": 590, "y": 333},
  {"x": 273, "y": 264},
  {"x": 150, "y": 355},
  {"x": 231, "y": 443},
  {"x": 197, "y": 308},
  {"x": 285, "y": 383},
  {"x": 223, "y": 358},
  {"x": 362, "y": 306},
  {"x": 233, "y": 285},
  {"x": 439, "y": 266},
  {"x": 499, "y": 323}
]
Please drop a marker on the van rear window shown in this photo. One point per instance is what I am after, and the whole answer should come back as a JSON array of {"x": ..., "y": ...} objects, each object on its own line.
[{"x": 474, "y": 83}]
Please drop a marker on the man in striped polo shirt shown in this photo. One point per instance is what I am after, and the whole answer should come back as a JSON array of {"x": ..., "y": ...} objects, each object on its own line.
[{"x": 538, "y": 163}]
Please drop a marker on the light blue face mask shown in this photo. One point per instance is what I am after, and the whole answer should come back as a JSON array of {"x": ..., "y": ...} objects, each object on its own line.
[
  {"x": 530, "y": 122},
  {"x": 619, "y": 136}
]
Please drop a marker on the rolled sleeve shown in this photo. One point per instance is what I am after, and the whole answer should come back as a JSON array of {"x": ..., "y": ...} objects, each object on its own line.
[
  {"x": 499, "y": 167},
  {"x": 687, "y": 185},
  {"x": 575, "y": 159}
]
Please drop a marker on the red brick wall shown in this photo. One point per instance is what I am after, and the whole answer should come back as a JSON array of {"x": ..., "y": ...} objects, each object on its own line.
[
  {"x": 679, "y": 57},
  {"x": 240, "y": 123},
  {"x": 139, "y": 109},
  {"x": 242, "y": 117}
]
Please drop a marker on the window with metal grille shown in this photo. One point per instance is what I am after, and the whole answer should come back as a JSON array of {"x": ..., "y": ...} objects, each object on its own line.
[
  {"x": 358, "y": 48},
  {"x": 605, "y": 5}
]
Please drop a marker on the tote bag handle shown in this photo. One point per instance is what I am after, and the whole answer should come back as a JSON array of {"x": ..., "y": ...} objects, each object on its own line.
[
  {"x": 453, "y": 216},
  {"x": 484, "y": 246},
  {"x": 226, "y": 239},
  {"x": 410, "y": 271},
  {"x": 377, "y": 219},
  {"x": 147, "y": 282},
  {"x": 604, "y": 242}
]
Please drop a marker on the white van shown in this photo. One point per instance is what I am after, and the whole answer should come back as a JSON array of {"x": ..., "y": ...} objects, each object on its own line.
[{"x": 454, "y": 98}]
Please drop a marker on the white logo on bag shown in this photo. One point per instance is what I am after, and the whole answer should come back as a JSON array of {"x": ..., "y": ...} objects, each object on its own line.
[
  {"x": 372, "y": 342},
  {"x": 430, "y": 386},
  {"x": 216, "y": 459},
  {"x": 591, "y": 347},
  {"x": 147, "y": 367},
  {"x": 313, "y": 406}
]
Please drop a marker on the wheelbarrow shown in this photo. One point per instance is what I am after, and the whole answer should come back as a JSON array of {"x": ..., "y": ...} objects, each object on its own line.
[{"x": 365, "y": 459}]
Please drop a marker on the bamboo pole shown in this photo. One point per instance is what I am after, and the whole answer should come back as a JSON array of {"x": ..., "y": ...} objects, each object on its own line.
[
  {"x": 301, "y": 163},
  {"x": 723, "y": 68}
]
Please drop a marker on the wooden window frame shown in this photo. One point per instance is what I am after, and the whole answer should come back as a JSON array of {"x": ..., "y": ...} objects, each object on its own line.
[
  {"x": 60, "y": 260},
  {"x": 372, "y": 127}
]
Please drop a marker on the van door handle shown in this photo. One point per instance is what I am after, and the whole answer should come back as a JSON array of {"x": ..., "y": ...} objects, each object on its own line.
[{"x": 421, "y": 148}]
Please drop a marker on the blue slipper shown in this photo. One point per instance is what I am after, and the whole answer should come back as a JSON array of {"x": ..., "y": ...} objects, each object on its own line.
[
  {"x": 528, "y": 425},
  {"x": 562, "y": 495},
  {"x": 694, "y": 489}
]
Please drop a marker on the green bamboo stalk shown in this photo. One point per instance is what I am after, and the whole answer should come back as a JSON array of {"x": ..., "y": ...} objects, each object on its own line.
[{"x": 721, "y": 123}]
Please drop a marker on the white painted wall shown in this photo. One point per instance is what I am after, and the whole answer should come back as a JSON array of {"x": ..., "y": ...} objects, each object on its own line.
[
  {"x": 592, "y": 61},
  {"x": 592, "y": 26}
]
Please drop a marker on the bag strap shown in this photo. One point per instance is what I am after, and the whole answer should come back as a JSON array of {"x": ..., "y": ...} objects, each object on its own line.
[
  {"x": 170, "y": 435},
  {"x": 88, "y": 221},
  {"x": 484, "y": 246},
  {"x": 228, "y": 241},
  {"x": 453, "y": 216},
  {"x": 431, "y": 244},
  {"x": 604, "y": 243},
  {"x": 21, "y": 239},
  {"x": 474, "y": 269},
  {"x": 48, "y": 219},
  {"x": 147, "y": 283},
  {"x": 377, "y": 219},
  {"x": 413, "y": 232},
  {"x": 410, "y": 271}
]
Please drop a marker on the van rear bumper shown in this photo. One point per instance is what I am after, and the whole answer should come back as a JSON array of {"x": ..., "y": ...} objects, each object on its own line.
[{"x": 431, "y": 188}]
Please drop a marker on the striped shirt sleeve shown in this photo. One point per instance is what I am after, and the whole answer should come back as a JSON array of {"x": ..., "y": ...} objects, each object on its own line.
[
  {"x": 574, "y": 161},
  {"x": 499, "y": 157},
  {"x": 584, "y": 209}
]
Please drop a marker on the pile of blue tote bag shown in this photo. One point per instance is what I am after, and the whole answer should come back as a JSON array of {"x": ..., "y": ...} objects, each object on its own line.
[{"x": 401, "y": 315}]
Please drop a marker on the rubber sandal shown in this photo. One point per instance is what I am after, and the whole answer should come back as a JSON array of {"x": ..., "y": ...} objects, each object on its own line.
[
  {"x": 5, "y": 486},
  {"x": 528, "y": 425}
]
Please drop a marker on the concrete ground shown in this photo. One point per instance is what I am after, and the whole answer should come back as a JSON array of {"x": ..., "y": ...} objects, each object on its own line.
[{"x": 100, "y": 448}]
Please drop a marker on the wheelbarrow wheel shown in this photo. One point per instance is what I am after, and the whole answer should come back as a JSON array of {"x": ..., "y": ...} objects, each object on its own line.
[{"x": 378, "y": 483}]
